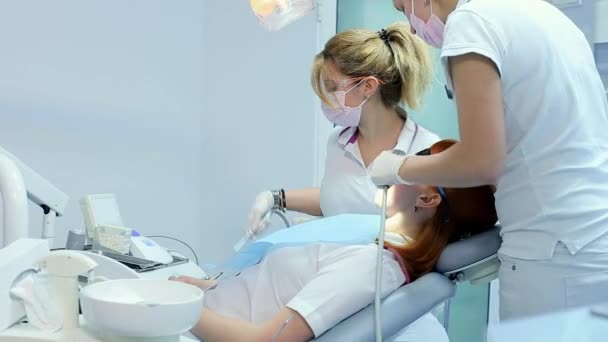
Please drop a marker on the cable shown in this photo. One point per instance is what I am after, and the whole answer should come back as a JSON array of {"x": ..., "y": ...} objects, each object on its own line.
[
  {"x": 178, "y": 240},
  {"x": 377, "y": 313},
  {"x": 283, "y": 217}
]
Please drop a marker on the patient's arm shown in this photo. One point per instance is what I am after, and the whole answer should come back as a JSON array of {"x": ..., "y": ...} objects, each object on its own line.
[
  {"x": 213, "y": 327},
  {"x": 307, "y": 201},
  {"x": 203, "y": 284}
]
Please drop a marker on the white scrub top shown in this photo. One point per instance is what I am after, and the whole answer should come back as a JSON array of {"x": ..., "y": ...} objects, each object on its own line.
[
  {"x": 346, "y": 186},
  {"x": 555, "y": 183},
  {"x": 324, "y": 283}
]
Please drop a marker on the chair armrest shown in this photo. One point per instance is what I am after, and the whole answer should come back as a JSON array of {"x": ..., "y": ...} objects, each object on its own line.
[{"x": 399, "y": 309}]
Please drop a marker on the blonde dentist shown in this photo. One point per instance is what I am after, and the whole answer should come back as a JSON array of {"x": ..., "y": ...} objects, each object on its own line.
[
  {"x": 533, "y": 116},
  {"x": 363, "y": 76}
]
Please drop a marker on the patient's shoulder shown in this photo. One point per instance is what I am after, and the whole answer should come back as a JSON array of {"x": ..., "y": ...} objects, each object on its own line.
[{"x": 362, "y": 255}]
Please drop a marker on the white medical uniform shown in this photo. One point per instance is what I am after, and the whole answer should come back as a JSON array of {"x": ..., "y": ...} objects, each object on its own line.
[
  {"x": 348, "y": 188},
  {"x": 552, "y": 198},
  {"x": 324, "y": 283}
]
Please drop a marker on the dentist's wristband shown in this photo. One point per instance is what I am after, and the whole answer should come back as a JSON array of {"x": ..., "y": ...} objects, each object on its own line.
[
  {"x": 283, "y": 200},
  {"x": 279, "y": 200}
]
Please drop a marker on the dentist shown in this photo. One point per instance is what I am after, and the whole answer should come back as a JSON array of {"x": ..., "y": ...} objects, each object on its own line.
[
  {"x": 362, "y": 77},
  {"x": 533, "y": 120}
]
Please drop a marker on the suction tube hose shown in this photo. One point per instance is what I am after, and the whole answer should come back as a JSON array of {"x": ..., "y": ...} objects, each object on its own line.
[{"x": 377, "y": 313}]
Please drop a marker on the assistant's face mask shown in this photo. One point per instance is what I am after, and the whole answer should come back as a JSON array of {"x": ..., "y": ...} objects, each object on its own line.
[
  {"x": 340, "y": 114},
  {"x": 276, "y": 14},
  {"x": 430, "y": 31}
]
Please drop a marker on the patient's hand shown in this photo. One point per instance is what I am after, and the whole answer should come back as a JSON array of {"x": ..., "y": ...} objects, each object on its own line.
[{"x": 203, "y": 284}]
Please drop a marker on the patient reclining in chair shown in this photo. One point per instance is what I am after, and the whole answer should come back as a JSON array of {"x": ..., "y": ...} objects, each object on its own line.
[{"x": 297, "y": 292}]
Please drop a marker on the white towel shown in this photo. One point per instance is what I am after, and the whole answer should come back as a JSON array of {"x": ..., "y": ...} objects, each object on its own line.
[{"x": 34, "y": 290}]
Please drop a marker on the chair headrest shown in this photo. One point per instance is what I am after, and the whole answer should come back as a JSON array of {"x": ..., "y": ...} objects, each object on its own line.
[{"x": 464, "y": 252}]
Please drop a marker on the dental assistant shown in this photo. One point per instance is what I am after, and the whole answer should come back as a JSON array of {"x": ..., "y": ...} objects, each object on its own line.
[
  {"x": 533, "y": 120},
  {"x": 362, "y": 78}
]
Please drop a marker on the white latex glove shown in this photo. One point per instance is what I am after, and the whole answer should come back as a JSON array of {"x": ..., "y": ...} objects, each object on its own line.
[
  {"x": 259, "y": 216},
  {"x": 384, "y": 170}
]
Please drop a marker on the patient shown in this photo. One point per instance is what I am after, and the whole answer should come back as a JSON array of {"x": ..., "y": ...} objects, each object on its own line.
[{"x": 317, "y": 285}]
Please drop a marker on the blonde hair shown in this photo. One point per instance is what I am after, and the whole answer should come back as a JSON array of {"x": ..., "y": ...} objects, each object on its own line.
[{"x": 401, "y": 62}]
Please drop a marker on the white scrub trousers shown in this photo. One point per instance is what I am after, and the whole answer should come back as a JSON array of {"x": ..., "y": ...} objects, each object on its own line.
[{"x": 533, "y": 287}]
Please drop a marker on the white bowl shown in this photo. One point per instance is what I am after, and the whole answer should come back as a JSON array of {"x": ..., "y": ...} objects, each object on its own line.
[{"x": 141, "y": 307}]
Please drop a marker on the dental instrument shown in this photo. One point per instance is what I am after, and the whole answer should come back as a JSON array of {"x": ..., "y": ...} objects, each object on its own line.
[
  {"x": 250, "y": 236},
  {"x": 180, "y": 241},
  {"x": 21, "y": 257},
  {"x": 147, "y": 260},
  {"x": 377, "y": 300}
]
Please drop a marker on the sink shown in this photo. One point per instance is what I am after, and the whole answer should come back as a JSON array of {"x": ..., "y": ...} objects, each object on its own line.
[{"x": 141, "y": 307}]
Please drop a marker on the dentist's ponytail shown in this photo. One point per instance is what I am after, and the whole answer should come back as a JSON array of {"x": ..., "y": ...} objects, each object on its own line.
[
  {"x": 393, "y": 55},
  {"x": 414, "y": 67}
]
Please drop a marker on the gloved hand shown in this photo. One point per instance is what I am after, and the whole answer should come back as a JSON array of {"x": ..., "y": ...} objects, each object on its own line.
[
  {"x": 384, "y": 170},
  {"x": 260, "y": 213}
]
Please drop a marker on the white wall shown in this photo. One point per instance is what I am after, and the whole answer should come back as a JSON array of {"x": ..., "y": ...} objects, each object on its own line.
[
  {"x": 185, "y": 109},
  {"x": 258, "y": 119},
  {"x": 106, "y": 96},
  {"x": 601, "y": 24}
]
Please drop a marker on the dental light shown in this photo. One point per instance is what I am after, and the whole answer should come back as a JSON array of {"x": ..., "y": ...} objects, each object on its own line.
[{"x": 276, "y": 14}]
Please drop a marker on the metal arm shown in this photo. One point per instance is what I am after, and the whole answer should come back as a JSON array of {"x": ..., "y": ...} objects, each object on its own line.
[
  {"x": 38, "y": 190},
  {"x": 48, "y": 223}
]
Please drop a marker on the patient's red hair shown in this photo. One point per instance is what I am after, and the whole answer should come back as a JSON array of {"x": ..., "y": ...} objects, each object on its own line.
[{"x": 470, "y": 211}]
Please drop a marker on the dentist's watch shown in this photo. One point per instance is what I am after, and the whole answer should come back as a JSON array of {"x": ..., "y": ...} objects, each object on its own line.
[{"x": 279, "y": 200}]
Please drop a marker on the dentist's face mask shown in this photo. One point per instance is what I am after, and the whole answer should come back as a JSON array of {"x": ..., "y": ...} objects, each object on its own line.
[
  {"x": 339, "y": 113},
  {"x": 430, "y": 31}
]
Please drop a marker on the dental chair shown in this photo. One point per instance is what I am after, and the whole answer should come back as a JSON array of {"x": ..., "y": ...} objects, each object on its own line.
[{"x": 472, "y": 259}]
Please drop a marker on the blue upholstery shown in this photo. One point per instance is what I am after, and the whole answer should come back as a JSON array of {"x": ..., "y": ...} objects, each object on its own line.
[
  {"x": 462, "y": 253},
  {"x": 400, "y": 308},
  {"x": 410, "y": 302}
]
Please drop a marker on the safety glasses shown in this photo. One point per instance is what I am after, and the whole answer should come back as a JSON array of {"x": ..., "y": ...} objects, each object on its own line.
[
  {"x": 330, "y": 86},
  {"x": 439, "y": 147}
]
